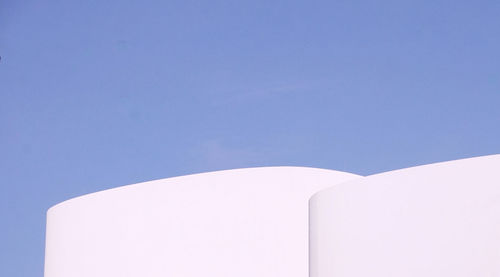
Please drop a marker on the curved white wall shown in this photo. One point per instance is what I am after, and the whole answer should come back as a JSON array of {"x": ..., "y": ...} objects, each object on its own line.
[
  {"x": 434, "y": 221},
  {"x": 236, "y": 223}
]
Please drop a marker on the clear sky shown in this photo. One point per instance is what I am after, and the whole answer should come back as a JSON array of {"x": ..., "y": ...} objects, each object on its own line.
[{"x": 98, "y": 94}]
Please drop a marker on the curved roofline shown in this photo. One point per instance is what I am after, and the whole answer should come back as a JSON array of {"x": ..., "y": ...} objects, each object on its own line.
[
  {"x": 195, "y": 174},
  {"x": 407, "y": 168}
]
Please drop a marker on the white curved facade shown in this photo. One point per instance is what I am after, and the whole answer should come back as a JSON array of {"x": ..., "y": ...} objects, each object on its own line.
[
  {"x": 235, "y": 223},
  {"x": 439, "y": 220},
  {"x": 435, "y": 220}
]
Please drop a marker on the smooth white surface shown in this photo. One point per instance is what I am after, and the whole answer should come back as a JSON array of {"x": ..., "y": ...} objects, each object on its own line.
[
  {"x": 439, "y": 220},
  {"x": 236, "y": 223}
]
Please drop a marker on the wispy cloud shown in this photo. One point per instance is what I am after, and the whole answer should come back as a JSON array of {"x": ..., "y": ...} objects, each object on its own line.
[{"x": 244, "y": 95}]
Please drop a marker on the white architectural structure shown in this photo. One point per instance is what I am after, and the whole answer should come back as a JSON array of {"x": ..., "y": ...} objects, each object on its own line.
[
  {"x": 236, "y": 223},
  {"x": 435, "y": 220},
  {"x": 439, "y": 220}
]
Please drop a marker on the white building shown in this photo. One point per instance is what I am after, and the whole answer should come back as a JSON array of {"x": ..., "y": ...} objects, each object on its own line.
[
  {"x": 236, "y": 223},
  {"x": 435, "y": 220}
]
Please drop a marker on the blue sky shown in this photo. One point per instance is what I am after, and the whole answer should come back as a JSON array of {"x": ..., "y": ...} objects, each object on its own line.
[{"x": 98, "y": 94}]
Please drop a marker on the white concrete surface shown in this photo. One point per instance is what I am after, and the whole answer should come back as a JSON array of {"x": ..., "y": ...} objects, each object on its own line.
[
  {"x": 438, "y": 220},
  {"x": 237, "y": 223}
]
